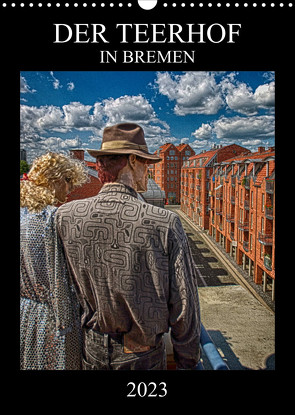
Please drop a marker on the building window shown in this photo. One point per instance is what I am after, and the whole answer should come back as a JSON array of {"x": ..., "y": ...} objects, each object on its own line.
[
  {"x": 252, "y": 199},
  {"x": 262, "y": 203},
  {"x": 251, "y": 220},
  {"x": 172, "y": 152}
]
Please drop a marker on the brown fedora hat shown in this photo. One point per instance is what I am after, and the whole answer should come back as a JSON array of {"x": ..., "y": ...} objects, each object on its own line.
[{"x": 126, "y": 138}]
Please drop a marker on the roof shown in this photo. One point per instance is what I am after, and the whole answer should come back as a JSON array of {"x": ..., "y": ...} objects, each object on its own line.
[
  {"x": 165, "y": 147},
  {"x": 253, "y": 157},
  {"x": 207, "y": 155}
]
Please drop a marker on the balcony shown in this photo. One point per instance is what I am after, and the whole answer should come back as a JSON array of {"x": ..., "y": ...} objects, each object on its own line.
[
  {"x": 246, "y": 204},
  {"x": 269, "y": 212},
  {"x": 265, "y": 238},
  {"x": 246, "y": 182},
  {"x": 243, "y": 226},
  {"x": 269, "y": 186},
  {"x": 230, "y": 218},
  {"x": 267, "y": 262},
  {"x": 219, "y": 195},
  {"x": 232, "y": 235},
  {"x": 246, "y": 246}
]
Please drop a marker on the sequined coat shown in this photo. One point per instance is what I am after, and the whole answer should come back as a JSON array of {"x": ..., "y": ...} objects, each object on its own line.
[
  {"x": 134, "y": 270},
  {"x": 50, "y": 333}
]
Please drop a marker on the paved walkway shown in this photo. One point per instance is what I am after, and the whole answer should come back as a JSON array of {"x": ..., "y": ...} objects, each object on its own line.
[{"x": 239, "y": 319}]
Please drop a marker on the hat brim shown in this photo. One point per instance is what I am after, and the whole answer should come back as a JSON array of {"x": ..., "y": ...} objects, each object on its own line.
[{"x": 151, "y": 157}]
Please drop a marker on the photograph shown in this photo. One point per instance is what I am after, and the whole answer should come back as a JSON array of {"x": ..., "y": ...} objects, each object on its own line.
[{"x": 148, "y": 134}]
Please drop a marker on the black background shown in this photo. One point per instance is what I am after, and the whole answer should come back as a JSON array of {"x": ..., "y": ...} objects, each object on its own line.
[{"x": 265, "y": 43}]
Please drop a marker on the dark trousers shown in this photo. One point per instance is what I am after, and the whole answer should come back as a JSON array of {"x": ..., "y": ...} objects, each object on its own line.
[{"x": 105, "y": 352}]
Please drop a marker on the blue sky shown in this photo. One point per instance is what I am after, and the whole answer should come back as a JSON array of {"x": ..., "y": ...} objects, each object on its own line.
[{"x": 61, "y": 110}]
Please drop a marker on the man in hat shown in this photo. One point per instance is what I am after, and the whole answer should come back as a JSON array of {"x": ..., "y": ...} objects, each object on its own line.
[{"x": 131, "y": 264}]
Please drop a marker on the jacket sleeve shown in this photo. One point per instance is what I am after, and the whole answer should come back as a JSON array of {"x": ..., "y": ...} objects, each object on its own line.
[{"x": 184, "y": 309}]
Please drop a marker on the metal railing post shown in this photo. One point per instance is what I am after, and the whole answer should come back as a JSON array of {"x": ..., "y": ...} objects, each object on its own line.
[{"x": 211, "y": 352}]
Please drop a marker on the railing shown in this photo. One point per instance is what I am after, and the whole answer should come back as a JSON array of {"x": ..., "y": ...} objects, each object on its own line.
[
  {"x": 212, "y": 354},
  {"x": 267, "y": 263},
  {"x": 246, "y": 182},
  {"x": 269, "y": 212},
  {"x": 244, "y": 226},
  {"x": 265, "y": 238},
  {"x": 269, "y": 186},
  {"x": 230, "y": 217}
]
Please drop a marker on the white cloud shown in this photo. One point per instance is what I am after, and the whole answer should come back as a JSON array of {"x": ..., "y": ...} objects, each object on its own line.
[
  {"x": 204, "y": 93},
  {"x": 40, "y": 119},
  {"x": 238, "y": 128},
  {"x": 24, "y": 87},
  {"x": 194, "y": 92},
  {"x": 128, "y": 108},
  {"x": 204, "y": 132},
  {"x": 56, "y": 82},
  {"x": 70, "y": 86},
  {"x": 36, "y": 122},
  {"x": 257, "y": 127},
  {"x": 199, "y": 144},
  {"x": 265, "y": 95},
  {"x": 241, "y": 98}
]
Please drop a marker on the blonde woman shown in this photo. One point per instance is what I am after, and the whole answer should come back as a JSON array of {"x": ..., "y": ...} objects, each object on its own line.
[{"x": 49, "y": 312}]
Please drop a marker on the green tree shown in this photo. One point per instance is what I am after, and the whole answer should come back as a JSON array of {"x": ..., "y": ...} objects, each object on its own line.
[{"x": 24, "y": 167}]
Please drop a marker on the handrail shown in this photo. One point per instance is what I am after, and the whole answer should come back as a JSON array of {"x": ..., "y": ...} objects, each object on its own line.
[{"x": 211, "y": 352}]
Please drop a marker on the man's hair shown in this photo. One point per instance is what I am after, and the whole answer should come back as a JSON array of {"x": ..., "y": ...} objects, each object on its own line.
[{"x": 108, "y": 167}]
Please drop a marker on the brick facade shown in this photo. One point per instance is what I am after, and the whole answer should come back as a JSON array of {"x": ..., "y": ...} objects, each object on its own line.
[
  {"x": 242, "y": 211},
  {"x": 88, "y": 189},
  {"x": 167, "y": 172},
  {"x": 195, "y": 181}
]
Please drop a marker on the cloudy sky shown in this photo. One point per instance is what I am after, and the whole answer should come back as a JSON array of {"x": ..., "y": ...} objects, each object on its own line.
[{"x": 64, "y": 110}]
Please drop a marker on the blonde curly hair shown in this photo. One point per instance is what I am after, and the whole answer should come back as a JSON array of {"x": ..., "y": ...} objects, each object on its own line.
[{"x": 38, "y": 190}]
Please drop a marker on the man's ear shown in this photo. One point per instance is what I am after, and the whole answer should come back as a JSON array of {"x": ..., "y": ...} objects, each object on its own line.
[{"x": 132, "y": 160}]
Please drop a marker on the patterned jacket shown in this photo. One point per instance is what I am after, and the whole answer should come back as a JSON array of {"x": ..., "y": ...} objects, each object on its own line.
[{"x": 133, "y": 269}]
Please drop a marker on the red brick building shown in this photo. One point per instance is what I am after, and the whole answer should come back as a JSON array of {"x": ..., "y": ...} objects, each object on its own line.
[
  {"x": 167, "y": 172},
  {"x": 195, "y": 181},
  {"x": 88, "y": 189},
  {"x": 242, "y": 212}
]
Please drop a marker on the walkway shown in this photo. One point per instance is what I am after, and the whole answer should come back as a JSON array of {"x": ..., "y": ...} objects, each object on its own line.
[{"x": 239, "y": 321}]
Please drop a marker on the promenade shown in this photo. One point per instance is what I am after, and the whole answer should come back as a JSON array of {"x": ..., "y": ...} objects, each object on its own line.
[{"x": 240, "y": 322}]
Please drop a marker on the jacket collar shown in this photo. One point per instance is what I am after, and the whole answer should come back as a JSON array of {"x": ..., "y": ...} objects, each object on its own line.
[{"x": 118, "y": 188}]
